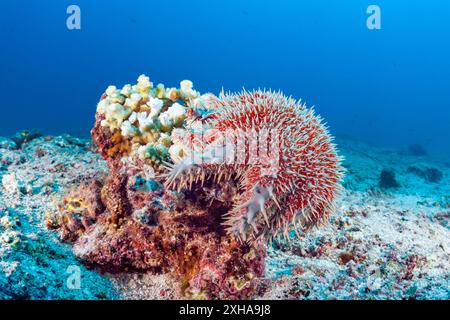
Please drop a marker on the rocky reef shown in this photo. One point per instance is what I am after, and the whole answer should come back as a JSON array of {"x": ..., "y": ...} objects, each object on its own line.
[{"x": 198, "y": 184}]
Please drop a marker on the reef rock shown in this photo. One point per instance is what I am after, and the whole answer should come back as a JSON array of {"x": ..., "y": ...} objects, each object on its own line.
[
  {"x": 388, "y": 180},
  {"x": 172, "y": 203},
  {"x": 428, "y": 174}
]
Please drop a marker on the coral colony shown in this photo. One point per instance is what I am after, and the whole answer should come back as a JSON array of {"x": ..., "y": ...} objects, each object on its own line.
[{"x": 198, "y": 185}]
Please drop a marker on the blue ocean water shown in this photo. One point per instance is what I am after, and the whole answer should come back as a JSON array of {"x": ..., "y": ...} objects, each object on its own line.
[{"x": 389, "y": 86}]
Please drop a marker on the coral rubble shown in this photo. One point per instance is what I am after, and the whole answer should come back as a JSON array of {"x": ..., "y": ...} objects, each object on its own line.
[{"x": 192, "y": 188}]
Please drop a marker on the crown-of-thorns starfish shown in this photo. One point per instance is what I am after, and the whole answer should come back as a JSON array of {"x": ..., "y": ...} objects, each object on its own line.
[{"x": 282, "y": 156}]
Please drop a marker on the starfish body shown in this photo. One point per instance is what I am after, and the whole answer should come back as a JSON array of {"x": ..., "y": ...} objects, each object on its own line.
[{"x": 281, "y": 156}]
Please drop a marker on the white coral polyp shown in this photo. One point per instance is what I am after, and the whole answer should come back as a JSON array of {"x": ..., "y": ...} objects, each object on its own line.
[
  {"x": 143, "y": 152},
  {"x": 127, "y": 90},
  {"x": 145, "y": 121},
  {"x": 129, "y": 130},
  {"x": 110, "y": 90},
  {"x": 133, "y": 101},
  {"x": 144, "y": 84},
  {"x": 135, "y": 97},
  {"x": 186, "y": 88},
  {"x": 165, "y": 121},
  {"x": 172, "y": 94},
  {"x": 176, "y": 113},
  {"x": 155, "y": 105},
  {"x": 133, "y": 117},
  {"x": 101, "y": 106},
  {"x": 165, "y": 139},
  {"x": 115, "y": 114}
]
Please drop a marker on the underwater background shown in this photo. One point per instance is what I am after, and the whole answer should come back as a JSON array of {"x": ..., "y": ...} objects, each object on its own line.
[{"x": 389, "y": 87}]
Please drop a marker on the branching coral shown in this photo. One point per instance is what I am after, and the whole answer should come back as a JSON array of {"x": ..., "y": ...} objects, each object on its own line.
[
  {"x": 138, "y": 120},
  {"x": 198, "y": 184}
]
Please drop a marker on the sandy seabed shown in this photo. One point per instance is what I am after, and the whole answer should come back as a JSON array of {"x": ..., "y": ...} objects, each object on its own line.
[{"x": 385, "y": 241}]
